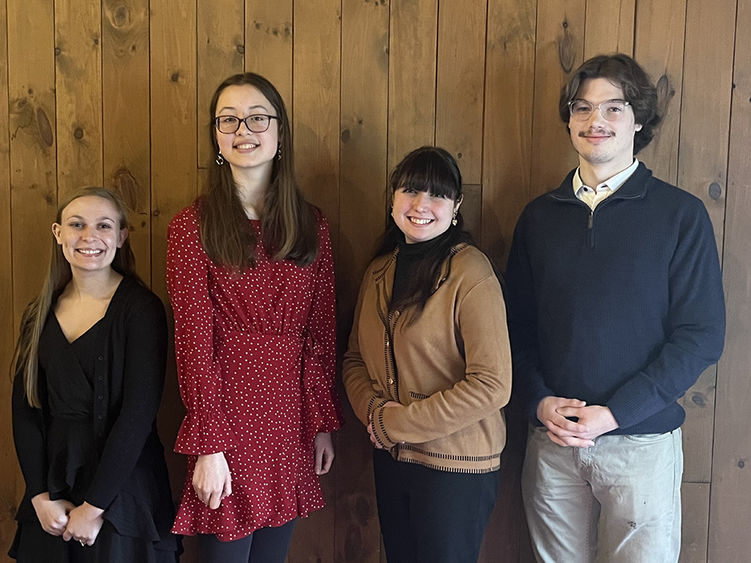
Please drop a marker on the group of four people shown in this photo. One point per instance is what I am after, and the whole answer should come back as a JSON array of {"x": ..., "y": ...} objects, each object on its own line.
[{"x": 615, "y": 306}]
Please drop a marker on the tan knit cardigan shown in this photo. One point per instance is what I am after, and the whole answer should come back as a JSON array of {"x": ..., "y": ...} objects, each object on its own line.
[{"x": 448, "y": 368}]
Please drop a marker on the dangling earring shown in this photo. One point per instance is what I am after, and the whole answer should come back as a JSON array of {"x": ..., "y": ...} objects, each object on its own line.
[
  {"x": 453, "y": 219},
  {"x": 219, "y": 159},
  {"x": 279, "y": 152}
]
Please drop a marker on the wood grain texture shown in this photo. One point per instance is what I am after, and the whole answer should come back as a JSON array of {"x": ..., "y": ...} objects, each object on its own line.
[
  {"x": 11, "y": 485},
  {"x": 660, "y": 35},
  {"x": 268, "y": 43},
  {"x": 412, "y": 77},
  {"x": 33, "y": 147},
  {"x": 695, "y": 501},
  {"x": 705, "y": 114},
  {"x": 609, "y": 27},
  {"x": 363, "y": 145},
  {"x": 125, "y": 119},
  {"x": 729, "y": 539},
  {"x": 559, "y": 48},
  {"x": 78, "y": 89},
  {"x": 460, "y": 84},
  {"x": 508, "y": 119},
  {"x": 220, "y": 54}
]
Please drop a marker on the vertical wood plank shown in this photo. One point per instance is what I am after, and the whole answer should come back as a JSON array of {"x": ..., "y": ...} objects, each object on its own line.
[
  {"x": 702, "y": 169},
  {"x": 316, "y": 99},
  {"x": 221, "y": 53},
  {"x": 507, "y": 147},
  {"x": 125, "y": 121},
  {"x": 363, "y": 146},
  {"x": 729, "y": 539},
  {"x": 316, "y": 83},
  {"x": 78, "y": 84},
  {"x": 695, "y": 500},
  {"x": 174, "y": 152},
  {"x": 507, "y": 130},
  {"x": 33, "y": 178},
  {"x": 460, "y": 83},
  {"x": 658, "y": 47},
  {"x": 268, "y": 43},
  {"x": 412, "y": 76},
  {"x": 609, "y": 27},
  {"x": 10, "y": 477},
  {"x": 559, "y": 47}
]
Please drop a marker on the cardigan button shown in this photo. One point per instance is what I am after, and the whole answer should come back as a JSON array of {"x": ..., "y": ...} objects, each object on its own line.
[
  {"x": 100, "y": 358},
  {"x": 100, "y": 397}
]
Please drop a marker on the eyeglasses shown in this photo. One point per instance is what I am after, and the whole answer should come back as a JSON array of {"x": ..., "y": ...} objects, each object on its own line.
[
  {"x": 612, "y": 110},
  {"x": 256, "y": 122}
]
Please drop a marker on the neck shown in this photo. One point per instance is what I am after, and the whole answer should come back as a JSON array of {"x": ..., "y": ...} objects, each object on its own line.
[
  {"x": 593, "y": 174},
  {"x": 251, "y": 186},
  {"x": 93, "y": 285}
]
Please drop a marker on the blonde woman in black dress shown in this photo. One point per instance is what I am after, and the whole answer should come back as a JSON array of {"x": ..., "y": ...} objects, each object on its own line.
[{"x": 89, "y": 372}]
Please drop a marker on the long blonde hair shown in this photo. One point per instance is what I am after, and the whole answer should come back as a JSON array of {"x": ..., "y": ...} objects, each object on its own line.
[{"x": 26, "y": 354}]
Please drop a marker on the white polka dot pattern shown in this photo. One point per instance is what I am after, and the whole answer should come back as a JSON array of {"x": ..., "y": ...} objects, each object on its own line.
[{"x": 256, "y": 366}]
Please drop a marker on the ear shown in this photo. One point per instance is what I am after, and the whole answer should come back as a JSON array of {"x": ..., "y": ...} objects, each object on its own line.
[
  {"x": 458, "y": 203},
  {"x": 122, "y": 236},
  {"x": 56, "y": 228}
]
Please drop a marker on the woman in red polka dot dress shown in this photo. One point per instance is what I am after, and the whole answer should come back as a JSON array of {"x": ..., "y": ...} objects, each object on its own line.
[{"x": 251, "y": 281}]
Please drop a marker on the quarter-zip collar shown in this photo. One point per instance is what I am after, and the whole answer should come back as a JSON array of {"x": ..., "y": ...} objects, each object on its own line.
[{"x": 635, "y": 187}]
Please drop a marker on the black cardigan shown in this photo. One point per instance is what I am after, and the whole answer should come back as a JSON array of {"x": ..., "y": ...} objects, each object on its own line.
[{"x": 128, "y": 379}]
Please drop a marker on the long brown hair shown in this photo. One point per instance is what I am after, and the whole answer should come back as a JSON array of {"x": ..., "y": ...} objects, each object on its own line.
[
  {"x": 287, "y": 221},
  {"x": 26, "y": 355}
]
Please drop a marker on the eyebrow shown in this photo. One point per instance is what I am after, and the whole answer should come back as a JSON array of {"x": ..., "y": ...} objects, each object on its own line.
[
  {"x": 232, "y": 108},
  {"x": 602, "y": 102},
  {"x": 102, "y": 218}
]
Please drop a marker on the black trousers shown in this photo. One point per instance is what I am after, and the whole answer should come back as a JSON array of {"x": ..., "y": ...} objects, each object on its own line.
[
  {"x": 267, "y": 545},
  {"x": 431, "y": 516}
]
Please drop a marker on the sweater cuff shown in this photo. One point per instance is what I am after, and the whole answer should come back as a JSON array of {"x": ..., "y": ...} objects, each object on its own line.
[
  {"x": 379, "y": 429},
  {"x": 207, "y": 433}
]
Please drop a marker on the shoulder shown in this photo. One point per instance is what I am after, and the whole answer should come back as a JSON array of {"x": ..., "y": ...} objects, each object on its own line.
[
  {"x": 133, "y": 296},
  {"x": 471, "y": 261},
  {"x": 186, "y": 219}
]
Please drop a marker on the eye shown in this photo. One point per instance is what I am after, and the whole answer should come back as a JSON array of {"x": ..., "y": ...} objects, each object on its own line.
[
  {"x": 106, "y": 226},
  {"x": 408, "y": 190},
  {"x": 580, "y": 107},
  {"x": 259, "y": 118},
  {"x": 228, "y": 119},
  {"x": 75, "y": 224}
]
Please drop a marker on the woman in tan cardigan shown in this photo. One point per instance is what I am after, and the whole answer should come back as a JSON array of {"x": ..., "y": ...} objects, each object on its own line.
[{"x": 428, "y": 369}]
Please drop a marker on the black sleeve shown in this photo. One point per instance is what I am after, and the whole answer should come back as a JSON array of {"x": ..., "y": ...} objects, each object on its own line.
[
  {"x": 29, "y": 438},
  {"x": 144, "y": 363}
]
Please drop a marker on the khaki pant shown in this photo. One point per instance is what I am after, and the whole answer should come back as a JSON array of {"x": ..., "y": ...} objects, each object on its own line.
[{"x": 617, "y": 501}]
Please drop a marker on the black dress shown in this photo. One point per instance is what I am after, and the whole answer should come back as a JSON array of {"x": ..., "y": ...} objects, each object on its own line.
[{"x": 63, "y": 447}]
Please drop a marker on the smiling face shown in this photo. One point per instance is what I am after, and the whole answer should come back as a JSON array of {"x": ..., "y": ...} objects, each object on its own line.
[
  {"x": 90, "y": 233},
  {"x": 245, "y": 150},
  {"x": 601, "y": 144},
  {"x": 422, "y": 216}
]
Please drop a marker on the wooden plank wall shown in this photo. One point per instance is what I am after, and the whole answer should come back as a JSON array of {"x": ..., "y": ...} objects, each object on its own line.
[{"x": 115, "y": 92}]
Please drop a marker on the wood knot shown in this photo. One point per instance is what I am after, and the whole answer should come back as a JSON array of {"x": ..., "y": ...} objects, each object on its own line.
[
  {"x": 45, "y": 128},
  {"x": 78, "y": 133}
]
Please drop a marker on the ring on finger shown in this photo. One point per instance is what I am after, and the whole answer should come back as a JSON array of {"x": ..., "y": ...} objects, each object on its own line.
[{"x": 83, "y": 543}]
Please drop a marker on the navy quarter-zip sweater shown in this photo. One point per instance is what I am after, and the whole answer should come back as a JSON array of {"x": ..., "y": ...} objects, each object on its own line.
[{"x": 621, "y": 306}]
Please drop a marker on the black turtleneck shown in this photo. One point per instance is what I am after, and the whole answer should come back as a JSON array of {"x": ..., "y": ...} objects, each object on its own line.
[{"x": 407, "y": 260}]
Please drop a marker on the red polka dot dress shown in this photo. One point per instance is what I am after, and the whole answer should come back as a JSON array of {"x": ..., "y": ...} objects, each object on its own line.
[{"x": 256, "y": 365}]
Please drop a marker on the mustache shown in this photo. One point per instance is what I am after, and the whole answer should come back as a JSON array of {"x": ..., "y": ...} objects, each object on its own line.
[{"x": 595, "y": 132}]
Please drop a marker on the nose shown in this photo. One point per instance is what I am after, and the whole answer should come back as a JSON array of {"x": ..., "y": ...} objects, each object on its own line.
[
  {"x": 422, "y": 201},
  {"x": 88, "y": 232},
  {"x": 243, "y": 123},
  {"x": 596, "y": 116}
]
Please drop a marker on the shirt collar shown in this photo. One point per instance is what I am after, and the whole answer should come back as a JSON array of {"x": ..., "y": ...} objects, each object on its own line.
[{"x": 611, "y": 184}]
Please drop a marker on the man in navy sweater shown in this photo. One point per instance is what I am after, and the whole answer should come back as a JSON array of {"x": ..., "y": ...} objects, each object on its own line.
[{"x": 615, "y": 308}]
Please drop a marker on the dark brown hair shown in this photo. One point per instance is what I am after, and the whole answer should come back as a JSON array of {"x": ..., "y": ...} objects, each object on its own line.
[
  {"x": 638, "y": 91},
  {"x": 26, "y": 354},
  {"x": 432, "y": 170},
  {"x": 288, "y": 222}
]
